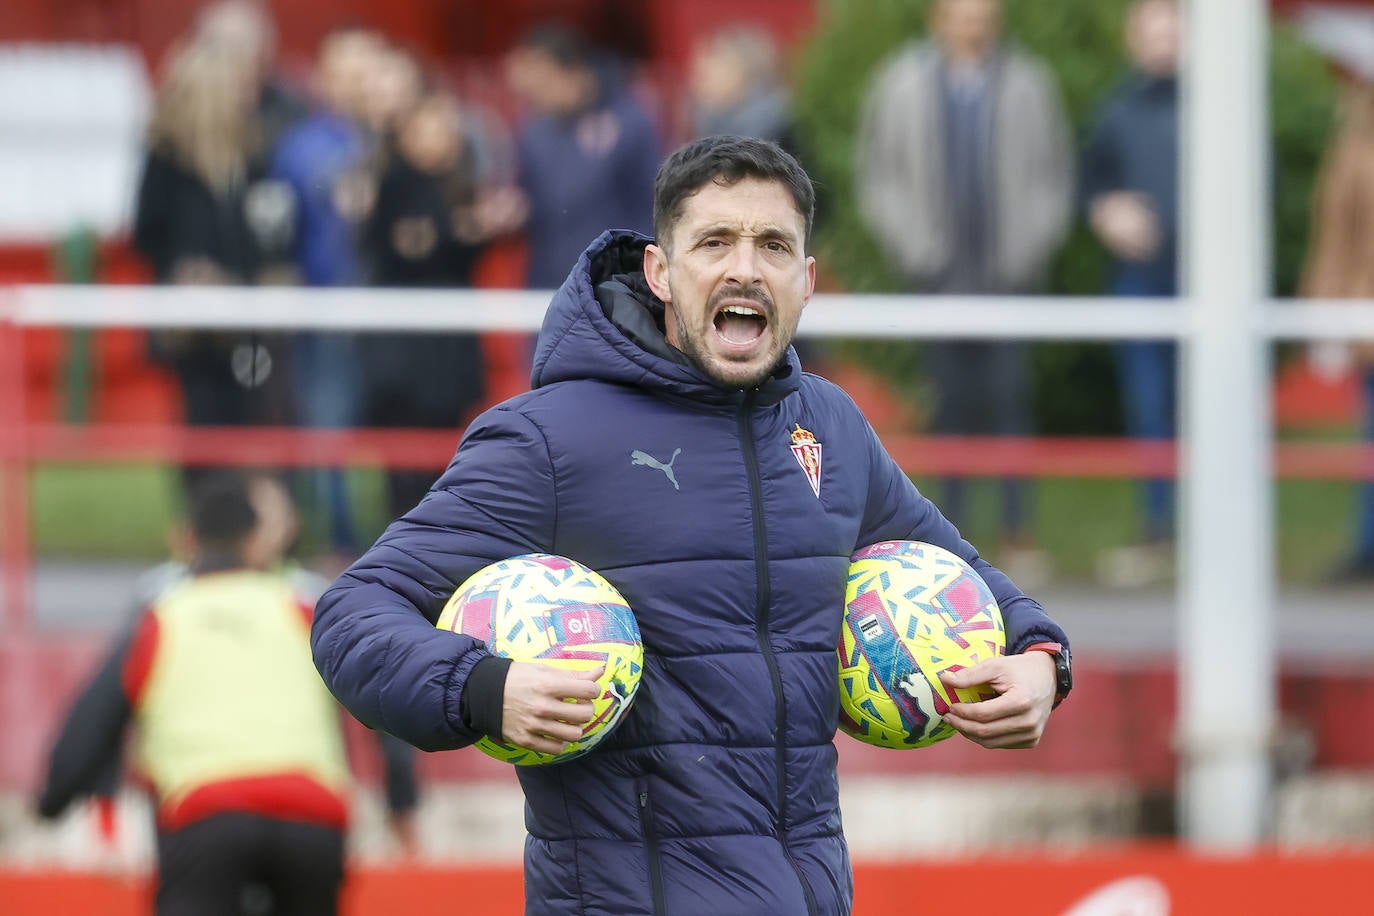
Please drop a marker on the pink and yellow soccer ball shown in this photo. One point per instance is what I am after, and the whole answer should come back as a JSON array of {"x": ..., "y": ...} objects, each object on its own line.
[
  {"x": 553, "y": 610},
  {"x": 912, "y": 610}
]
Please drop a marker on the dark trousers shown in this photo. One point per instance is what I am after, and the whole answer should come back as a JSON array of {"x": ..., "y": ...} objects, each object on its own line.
[
  {"x": 236, "y": 864},
  {"x": 983, "y": 388},
  {"x": 1147, "y": 374},
  {"x": 432, "y": 381},
  {"x": 326, "y": 392},
  {"x": 1146, "y": 369},
  {"x": 1364, "y": 537}
]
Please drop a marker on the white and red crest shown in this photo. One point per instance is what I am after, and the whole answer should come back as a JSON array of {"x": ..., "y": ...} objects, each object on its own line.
[{"x": 808, "y": 453}]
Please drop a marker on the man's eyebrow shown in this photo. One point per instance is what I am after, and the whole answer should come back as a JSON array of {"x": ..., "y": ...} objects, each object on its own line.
[
  {"x": 716, "y": 229},
  {"x": 767, "y": 233},
  {"x": 776, "y": 232}
]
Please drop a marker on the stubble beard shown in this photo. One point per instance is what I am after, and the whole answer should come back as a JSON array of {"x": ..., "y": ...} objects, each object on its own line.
[{"x": 687, "y": 344}]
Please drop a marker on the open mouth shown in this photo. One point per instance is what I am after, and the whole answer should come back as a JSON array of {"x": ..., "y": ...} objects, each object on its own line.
[{"x": 740, "y": 325}]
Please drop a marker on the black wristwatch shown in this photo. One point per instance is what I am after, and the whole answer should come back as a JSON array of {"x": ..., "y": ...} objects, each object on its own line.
[{"x": 1063, "y": 668}]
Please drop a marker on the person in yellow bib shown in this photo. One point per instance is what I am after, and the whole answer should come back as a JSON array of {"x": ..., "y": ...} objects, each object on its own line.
[{"x": 236, "y": 734}]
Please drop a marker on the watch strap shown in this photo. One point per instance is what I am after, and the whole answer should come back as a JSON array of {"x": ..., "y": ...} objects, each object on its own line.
[{"x": 1063, "y": 677}]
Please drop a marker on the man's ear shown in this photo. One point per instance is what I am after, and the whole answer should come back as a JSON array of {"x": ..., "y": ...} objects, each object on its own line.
[
  {"x": 656, "y": 272},
  {"x": 810, "y": 281}
]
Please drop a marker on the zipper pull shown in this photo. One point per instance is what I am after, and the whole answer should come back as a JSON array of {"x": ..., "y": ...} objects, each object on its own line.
[{"x": 644, "y": 799}]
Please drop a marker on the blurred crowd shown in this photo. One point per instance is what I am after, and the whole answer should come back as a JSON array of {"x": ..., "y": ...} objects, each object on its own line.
[
  {"x": 966, "y": 172},
  {"x": 375, "y": 172}
]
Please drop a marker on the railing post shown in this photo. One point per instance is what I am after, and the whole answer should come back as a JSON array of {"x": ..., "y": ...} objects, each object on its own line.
[{"x": 1226, "y": 664}]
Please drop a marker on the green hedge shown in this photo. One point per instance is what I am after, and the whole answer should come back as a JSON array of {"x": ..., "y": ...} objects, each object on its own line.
[{"x": 1082, "y": 42}]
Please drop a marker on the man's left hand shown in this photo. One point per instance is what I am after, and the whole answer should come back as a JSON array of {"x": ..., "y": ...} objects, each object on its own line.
[{"x": 1016, "y": 717}]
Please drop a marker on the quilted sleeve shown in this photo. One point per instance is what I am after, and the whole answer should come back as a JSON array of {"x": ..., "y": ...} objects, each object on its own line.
[{"x": 373, "y": 636}]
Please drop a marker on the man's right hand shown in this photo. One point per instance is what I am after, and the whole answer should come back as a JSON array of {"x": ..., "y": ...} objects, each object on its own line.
[
  {"x": 1126, "y": 224},
  {"x": 545, "y": 708}
]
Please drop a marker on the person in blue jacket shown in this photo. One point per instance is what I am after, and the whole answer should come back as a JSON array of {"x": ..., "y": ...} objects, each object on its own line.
[
  {"x": 1130, "y": 176},
  {"x": 718, "y": 792},
  {"x": 586, "y": 150}
]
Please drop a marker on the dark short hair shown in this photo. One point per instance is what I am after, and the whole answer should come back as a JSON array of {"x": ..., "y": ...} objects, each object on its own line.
[
  {"x": 221, "y": 511},
  {"x": 726, "y": 160},
  {"x": 564, "y": 44}
]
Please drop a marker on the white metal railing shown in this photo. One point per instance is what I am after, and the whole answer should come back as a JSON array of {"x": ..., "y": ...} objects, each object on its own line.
[{"x": 830, "y": 315}]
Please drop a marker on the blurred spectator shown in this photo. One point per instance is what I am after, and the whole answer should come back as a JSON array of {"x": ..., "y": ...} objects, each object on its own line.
[
  {"x": 587, "y": 151},
  {"x": 1130, "y": 190},
  {"x": 735, "y": 87},
  {"x": 205, "y": 216},
  {"x": 245, "y": 27},
  {"x": 965, "y": 175},
  {"x": 395, "y": 84},
  {"x": 1340, "y": 265},
  {"x": 326, "y": 160},
  {"x": 423, "y": 233},
  {"x": 237, "y": 736},
  {"x": 190, "y": 216}
]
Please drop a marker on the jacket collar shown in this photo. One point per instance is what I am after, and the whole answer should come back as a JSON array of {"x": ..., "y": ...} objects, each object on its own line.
[{"x": 604, "y": 323}]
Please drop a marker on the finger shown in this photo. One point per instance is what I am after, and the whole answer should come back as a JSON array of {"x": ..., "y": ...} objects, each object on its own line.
[
  {"x": 1018, "y": 732},
  {"x": 550, "y": 669},
  {"x": 980, "y": 729},
  {"x": 1014, "y": 741},
  {"x": 550, "y": 709},
  {"x": 576, "y": 713},
  {"x": 974, "y": 676},
  {"x": 561, "y": 732},
  {"x": 576, "y": 690},
  {"x": 1004, "y": 706},
  {"x": 540, "y": 743},
  {"x": 565, "y": 684},
  {"x": 974, "y": 731}
]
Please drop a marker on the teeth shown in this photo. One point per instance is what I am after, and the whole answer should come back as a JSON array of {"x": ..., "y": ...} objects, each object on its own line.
[{"x": 742, "y": 310}]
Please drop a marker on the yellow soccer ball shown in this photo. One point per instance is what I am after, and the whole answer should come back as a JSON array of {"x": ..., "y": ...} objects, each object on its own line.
[
  {"x": 550, "y": 609},
  {"x": 912, "y": 610}
]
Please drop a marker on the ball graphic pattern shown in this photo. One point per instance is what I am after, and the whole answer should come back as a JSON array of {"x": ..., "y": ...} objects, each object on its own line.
[
  {"x": 912, "y": 610},
  {"x": 550, "y": 609}
]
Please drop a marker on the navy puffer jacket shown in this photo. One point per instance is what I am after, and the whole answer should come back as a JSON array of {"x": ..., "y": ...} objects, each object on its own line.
[{"x": 718, "y": 794}]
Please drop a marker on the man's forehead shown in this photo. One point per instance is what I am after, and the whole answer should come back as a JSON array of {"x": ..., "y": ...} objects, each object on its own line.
[{"x": 750, "y": 205}]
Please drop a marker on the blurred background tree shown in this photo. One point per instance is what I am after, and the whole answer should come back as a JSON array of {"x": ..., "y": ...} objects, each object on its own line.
[{"x": 1081, "y": 40}]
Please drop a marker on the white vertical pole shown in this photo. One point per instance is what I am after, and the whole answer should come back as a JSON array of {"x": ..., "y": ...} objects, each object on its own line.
[{"x": 1226, "y": 582}]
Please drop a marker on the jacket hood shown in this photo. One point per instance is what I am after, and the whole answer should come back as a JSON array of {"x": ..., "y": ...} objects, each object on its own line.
[{"x": 605, "y": 324}]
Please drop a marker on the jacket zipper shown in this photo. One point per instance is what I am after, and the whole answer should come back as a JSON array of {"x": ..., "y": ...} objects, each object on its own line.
[
  {"x": 646, "y": 824},
  {"x": 764, "y": 591}
]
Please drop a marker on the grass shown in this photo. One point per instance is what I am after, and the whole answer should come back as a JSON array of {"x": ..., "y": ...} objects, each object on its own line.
[
  {"x": 105, "y": 511},
  {"x": 1076, "y": 519},
  {"x": 124, "y": 512}
]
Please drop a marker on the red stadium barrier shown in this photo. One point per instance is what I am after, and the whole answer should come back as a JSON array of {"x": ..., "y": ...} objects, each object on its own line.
[
  {"x": 1135, "y": 879},
  {"x": 430, "y": 449}
]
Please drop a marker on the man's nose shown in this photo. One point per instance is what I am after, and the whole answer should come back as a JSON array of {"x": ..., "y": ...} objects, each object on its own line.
[{"x": 743, "y": 266}]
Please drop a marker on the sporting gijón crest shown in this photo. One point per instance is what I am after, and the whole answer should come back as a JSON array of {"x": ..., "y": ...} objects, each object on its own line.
[{"x": 808, "y": 452}]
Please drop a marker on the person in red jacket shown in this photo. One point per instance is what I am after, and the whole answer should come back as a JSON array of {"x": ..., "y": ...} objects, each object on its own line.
[{"x": 236, "y": 735}]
